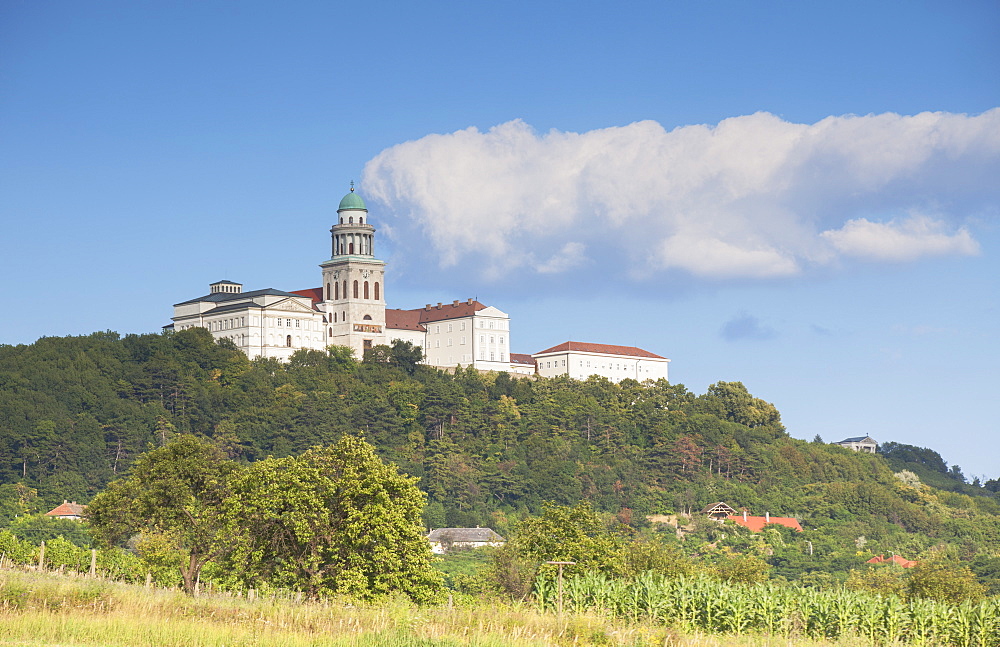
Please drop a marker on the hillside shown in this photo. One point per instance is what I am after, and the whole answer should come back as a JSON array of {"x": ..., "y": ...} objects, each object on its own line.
[{"x": 488, "y": 449}]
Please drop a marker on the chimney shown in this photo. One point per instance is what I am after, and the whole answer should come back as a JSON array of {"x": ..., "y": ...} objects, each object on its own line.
[
  {"x": 767, "y": 517},
  {"x": 427, "y": 307},
  {"x": 439, "y": 305},
  {"x": 454, "y": 303},
  {"x": 744, "y": 515},
  {"x": 469, "y": 302}
]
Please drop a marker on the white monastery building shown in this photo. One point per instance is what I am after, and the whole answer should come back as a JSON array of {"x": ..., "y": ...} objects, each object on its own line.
[
  {"x": 580, "y": 360},
  {"x": 349, "y": 309}
]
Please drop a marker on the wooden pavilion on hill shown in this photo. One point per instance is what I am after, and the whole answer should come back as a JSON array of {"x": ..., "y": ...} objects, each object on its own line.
[{"x": 718, "y": 511}]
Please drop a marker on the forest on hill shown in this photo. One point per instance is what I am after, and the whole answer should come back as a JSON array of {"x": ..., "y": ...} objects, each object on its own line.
[{"x": 489, "y": 450}]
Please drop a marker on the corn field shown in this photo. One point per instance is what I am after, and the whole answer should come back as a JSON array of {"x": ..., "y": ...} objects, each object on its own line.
[{"x": 702, "y": 604}]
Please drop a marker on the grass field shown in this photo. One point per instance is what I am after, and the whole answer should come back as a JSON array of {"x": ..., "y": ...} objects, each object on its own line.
[{"x": 59, "y": 610}]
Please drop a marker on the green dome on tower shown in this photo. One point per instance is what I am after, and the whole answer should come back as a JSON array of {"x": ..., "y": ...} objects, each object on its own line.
[{"x": 352, "y": 201}]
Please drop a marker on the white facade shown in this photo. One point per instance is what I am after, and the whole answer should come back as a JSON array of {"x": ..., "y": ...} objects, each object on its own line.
[
  {"x": 865, "y": 444},
  {"x": 466, "y": 334},
  {"x": 262, "y": 323},
  {"x": 580, "y": 360}
]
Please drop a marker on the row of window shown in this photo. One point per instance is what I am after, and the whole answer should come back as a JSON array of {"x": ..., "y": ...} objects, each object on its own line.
[
  {"x": 586, "y": 364},
  {"x": 449, "y": 327},
  {"x": 461, "y": 341},
  {"x": 226, "y": 324},
  {"x": 359, "y": 288}
]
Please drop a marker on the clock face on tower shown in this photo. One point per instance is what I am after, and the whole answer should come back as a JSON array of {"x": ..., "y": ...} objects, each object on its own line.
[{"x": 365, "y": 274}]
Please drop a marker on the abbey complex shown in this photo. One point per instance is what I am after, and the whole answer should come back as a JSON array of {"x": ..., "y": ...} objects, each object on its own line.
[{"x": 349, "y": 309}]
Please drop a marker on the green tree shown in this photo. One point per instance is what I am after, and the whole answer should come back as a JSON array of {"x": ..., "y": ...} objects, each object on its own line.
[
  {"x": 743, "y": 569},
  {"x": 174, "y": 494},
  {"x": 569, "y": 533},
  {"x": 741, "y": 407},
  {"x": 16, "y": 499},
  {"x": 335, "y": 520},
  {"x": 884, "y": 579},
  {"x": 945, "y": 581}
]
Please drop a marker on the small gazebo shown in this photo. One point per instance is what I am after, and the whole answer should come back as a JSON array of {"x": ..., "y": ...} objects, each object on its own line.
[{"x": 718, "y": 511}]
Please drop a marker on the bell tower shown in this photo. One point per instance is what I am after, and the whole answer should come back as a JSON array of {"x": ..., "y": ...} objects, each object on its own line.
[{"x": 354, "y": 281}]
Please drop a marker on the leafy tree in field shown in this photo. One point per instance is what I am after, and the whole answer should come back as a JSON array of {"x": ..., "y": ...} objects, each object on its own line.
[
  {"x": 173, "y": 494},
  {"x": 884, "y": 579},
  {"x": 334, "y": 520},
  {"x": 650, "y": 553},
  {"x": 743, "y": 569},
  {"x": 945, "y": 581},
  {"x": 571, "y": 534}
]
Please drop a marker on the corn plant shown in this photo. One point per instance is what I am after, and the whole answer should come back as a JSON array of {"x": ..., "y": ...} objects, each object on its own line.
[{"x": 702, "y": 604}]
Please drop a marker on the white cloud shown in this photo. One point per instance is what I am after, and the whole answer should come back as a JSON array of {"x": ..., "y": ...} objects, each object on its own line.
[
  {"x": 569, "y": 257},
  {"x": 900, "y": 240},
  {"x": 754, "y": 196}
]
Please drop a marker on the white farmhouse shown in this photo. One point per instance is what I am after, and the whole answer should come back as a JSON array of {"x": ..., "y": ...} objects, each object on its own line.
[
  {"x": 580, "y": 360},
  {"x": 446, "y": 539}
]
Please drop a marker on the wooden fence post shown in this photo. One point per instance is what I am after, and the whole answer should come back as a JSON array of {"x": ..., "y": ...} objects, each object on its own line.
[
  {"x": 41, "y": 556},
  {"x": 93, "y": 562}
]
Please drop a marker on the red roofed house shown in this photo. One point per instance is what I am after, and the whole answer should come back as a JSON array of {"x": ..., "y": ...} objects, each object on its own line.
[
  {"x": 756, "y": 524},
  {"x": 580, "y": 360},
  {"x": 895, "y": 559},
  {"x": 67, "y": 510}
]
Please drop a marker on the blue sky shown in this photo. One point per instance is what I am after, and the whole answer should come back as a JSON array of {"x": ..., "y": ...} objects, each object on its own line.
[{"x": 801, "y": 197}]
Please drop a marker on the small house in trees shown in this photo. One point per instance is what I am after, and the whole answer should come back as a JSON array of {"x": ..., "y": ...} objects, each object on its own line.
[
  {"x": 895, "y": 559},
  {"x": 756, "y": 524},
  {"x": 865, "y": 444},
  {"x": 448, "y": 539},
  {"x": 718, "y": 511},
  {"x": 67, "y": 510}
]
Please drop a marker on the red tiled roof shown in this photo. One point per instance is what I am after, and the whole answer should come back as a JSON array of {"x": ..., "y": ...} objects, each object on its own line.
[
  {"x": 452, "y": 310},
  {"x": 902, "y": 561},
  {"x": 757, "y": 524},
  {"x": 606, "y": 349},
  {"x": 67, "y": 509},
  {"x": 522, "y": 358},
  {"x": 403, "y": 319},
  {"x": 316, "y": 294}
]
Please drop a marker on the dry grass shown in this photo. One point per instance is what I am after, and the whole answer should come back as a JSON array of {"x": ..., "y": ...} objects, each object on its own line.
[{"x": 53, "y": 610}]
